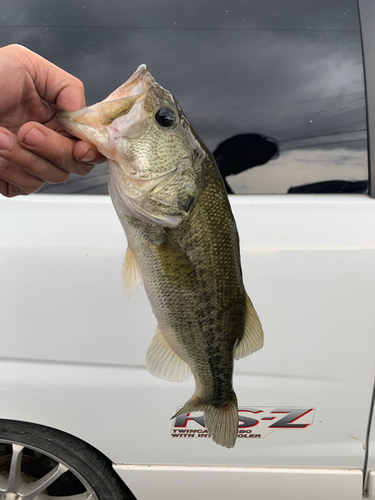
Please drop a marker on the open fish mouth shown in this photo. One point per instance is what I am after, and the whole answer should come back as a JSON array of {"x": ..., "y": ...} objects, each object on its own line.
[
  {"x": 135, "y": 85},
  {"x": 105, "y": 121}
]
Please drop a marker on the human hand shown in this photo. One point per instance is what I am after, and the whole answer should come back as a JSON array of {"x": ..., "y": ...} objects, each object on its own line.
[{"x": 34, "y": 147}]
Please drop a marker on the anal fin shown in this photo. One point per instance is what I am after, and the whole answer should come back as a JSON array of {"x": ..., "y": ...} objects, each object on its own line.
[
  {"x": 131, "y": 275},
  {"x": 163, "y": 362},
  {"x": 253, "y": 336}
]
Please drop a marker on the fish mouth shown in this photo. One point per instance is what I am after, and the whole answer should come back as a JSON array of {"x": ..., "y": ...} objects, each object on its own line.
[
  {"x": 99, "y": 124},
  {"x": 136, "y": 84}
]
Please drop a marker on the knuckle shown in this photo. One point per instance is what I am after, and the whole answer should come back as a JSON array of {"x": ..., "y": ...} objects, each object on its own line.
[
  {"x": 35, "y": 168},
  {"x": 15, "y": 46},
  {"x": 62, "y": 157},
  {"x": 78, "y": 84},
  {"x": 7, "y": 170}
]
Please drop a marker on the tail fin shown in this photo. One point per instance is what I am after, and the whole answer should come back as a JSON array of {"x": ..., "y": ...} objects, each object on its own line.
[{"x": 221, "y": 421}]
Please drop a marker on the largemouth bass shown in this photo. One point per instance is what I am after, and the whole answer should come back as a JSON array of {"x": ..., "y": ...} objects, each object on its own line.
[{"x": 182, "y": 243}]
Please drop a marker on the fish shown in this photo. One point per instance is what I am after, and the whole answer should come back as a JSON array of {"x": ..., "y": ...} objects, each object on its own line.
[{"x": 183, "y": 243}]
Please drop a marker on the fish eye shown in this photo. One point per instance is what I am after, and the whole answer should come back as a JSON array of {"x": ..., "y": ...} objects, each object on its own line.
[{"x": 165, "y": 117}]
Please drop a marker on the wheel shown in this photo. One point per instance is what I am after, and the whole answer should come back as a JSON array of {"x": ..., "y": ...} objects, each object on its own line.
[{"x": 40, "y": 463}]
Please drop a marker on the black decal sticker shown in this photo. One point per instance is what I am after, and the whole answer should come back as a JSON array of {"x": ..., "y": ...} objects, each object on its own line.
[
  {"x": 253, "y": 423},
  {"x": 247, "y": 421},
  {"x": 182, "y": 420},
  {"x": 293, "y": 415}
]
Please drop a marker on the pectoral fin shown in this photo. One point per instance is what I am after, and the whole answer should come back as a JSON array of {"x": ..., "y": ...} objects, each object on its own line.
[
  {"x": 253, "y": 337},
  {"x": 131, "y": 275},
  {"x": 176, "y": 265},
  {"x": 163, "y": 362}
]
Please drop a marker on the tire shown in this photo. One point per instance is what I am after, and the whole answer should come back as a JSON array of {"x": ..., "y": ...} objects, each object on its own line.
[{"x": 41, "y": 463}]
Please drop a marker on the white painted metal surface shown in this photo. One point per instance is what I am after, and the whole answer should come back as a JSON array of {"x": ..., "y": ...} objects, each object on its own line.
[
  {"x": 73, "y": 348},
  {"x": 242, "y": 483},
  {"x": 371, "y": 484}
]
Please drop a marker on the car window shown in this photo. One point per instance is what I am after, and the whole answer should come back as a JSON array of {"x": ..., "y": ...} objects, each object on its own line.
[{"x": 275, "y": 89}]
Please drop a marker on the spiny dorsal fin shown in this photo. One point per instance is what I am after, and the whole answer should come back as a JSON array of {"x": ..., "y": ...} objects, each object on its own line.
[
  {"x": 131, "y": 275},
  {"x": 163, "y": 362},
  {"x": 253, "y": 337}
]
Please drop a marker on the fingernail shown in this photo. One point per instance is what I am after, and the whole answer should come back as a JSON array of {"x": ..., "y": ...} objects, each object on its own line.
[
  {"x": 89, "y": 156},
  {"x": 35, "y": 138},
  {"x": 85, "y": 169},
  {"x": 6, "y": 142}
]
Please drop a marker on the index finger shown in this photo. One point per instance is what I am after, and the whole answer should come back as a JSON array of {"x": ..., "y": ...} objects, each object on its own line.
[{"x": 53, "y": 84}]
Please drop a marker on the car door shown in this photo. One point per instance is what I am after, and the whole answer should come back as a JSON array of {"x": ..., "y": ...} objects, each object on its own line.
[{"x": 276, "y": 90}]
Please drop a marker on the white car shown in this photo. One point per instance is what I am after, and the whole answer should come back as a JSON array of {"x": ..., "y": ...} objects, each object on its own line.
[{"x": 81, "y": 418}]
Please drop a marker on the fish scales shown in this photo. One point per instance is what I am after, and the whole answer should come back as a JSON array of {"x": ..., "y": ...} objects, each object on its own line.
[
  {"x": 216, "y": 302},
  {"x": 182, "y": 243}
]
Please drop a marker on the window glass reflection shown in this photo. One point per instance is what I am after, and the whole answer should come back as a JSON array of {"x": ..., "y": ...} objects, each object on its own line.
[{"x": 274, "y": 88}]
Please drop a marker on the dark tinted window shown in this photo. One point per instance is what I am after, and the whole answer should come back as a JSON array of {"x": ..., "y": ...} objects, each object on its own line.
[{"x": 274, "y": 88}]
